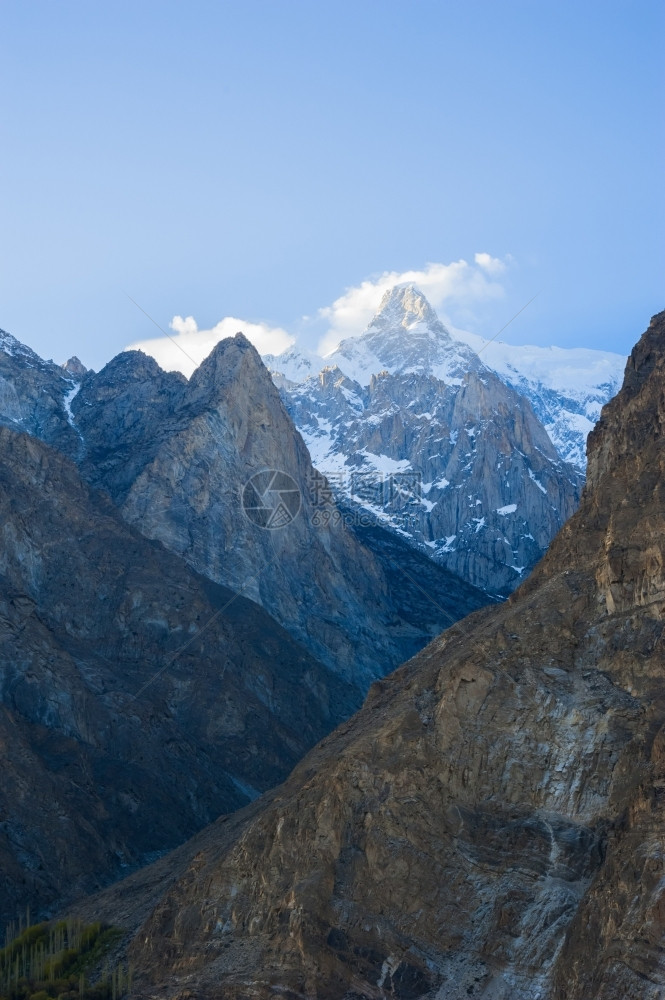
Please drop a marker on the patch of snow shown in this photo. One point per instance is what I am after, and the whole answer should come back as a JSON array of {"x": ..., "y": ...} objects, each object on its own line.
[
  {"x": 510, "y": 508},
  {"x": 448, "y": 547},
  {"x": 442, "y": 545},
  {"x": 379, "y": 514},
  {"x": 537, "y": 482},
  {"x": 385, "y": 464},
  {"x": 352, "y": 398},
  {"x": 294, "y": 364},
  {"x": 67, "y": 403}
]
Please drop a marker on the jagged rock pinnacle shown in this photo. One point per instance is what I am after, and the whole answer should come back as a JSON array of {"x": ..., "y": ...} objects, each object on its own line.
[
  {"x": 405, "y": 305},
  {"x": 75, "y": 367}
]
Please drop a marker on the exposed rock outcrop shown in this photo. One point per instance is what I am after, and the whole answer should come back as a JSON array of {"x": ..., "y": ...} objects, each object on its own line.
[
  {"x": 75, "y": 367},
  {"x": 491, "y": 823}
]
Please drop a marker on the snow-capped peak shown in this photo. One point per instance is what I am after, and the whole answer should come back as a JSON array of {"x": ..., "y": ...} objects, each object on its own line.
[
  {"x": 405, "y": 337},
  {"x": 405, "y": 306},
  {"x": 566, "y": 387}
]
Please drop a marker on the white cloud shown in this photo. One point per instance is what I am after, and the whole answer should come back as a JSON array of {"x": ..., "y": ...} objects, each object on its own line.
[
  {"x": 492, "y": 265},
  {"x": 459, "y": 284},
  {"x": 190, "y": 346}
]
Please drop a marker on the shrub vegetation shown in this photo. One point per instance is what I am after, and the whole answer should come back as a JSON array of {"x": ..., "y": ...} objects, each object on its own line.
[{"x": 52, "y": 961}]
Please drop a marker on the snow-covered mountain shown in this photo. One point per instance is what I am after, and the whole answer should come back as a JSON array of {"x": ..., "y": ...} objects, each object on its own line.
[
  {"x": 405, "y": 337},
  {"x": 472, "y": 451},
  {"x": 567, "y": 386},
  {"x": 296, "y": 364}
]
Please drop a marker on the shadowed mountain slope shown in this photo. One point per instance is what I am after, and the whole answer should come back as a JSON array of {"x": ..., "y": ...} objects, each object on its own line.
[
  {"x": 491, "y": 823},
  {"x": 138, "y": 700}
]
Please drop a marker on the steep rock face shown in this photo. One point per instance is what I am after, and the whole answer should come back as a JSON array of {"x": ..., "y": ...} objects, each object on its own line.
[
  {"x": 74, "y": 366},
  {"x": 139, "y": 700},
  {"x": 567, "y": 387},
  {"x": 491, "y": 823},
  {"x": 436, "y": 446},
  {"x": 123, "y": 415},
  {"x": 35, "y": 395},
  {"x": 176, "y": 455}
]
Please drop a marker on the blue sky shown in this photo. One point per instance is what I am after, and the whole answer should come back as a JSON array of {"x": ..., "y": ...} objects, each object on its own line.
[{"x": 258, "y": 159}]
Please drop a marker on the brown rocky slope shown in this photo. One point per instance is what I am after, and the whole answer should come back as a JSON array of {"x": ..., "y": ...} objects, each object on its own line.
[{"x": 492, "y": 822}]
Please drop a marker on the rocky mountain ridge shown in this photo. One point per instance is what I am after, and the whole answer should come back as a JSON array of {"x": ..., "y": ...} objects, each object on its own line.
[
  {"x": 491, "y": 822},
  {"x": 410, "y": 425},
  {"x": 140, "y": 699},
  {"x": 34, "y": 395},
  {"x": 175, "y": 456},
  {"x": 566, "y": 386}
]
